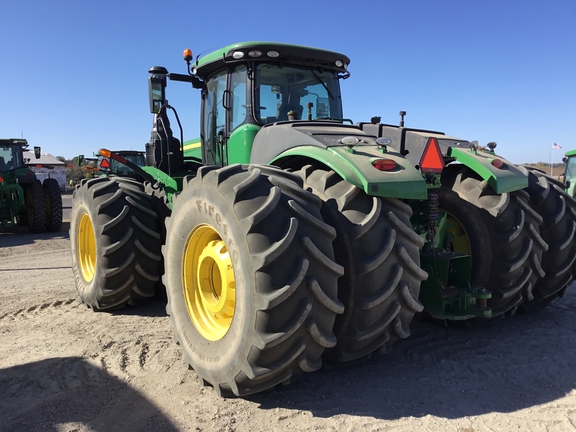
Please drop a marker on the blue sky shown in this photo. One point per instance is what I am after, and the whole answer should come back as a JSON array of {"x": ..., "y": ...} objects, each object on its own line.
[{"x": 74, "y": 73}]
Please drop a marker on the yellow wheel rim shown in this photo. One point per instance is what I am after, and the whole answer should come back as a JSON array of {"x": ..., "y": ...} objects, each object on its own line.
[
  {"x": 458, "y": 239},
  {"x": 86, "y": 242},
  {"x": 208, "y": 282}
]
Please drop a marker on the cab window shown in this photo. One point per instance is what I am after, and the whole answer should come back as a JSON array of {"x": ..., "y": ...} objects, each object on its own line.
[{"x": 280, "y": 90}]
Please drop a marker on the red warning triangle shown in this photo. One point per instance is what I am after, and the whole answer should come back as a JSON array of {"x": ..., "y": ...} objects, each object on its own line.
[
  {"x": 432, "y": 160},
  {"x": 105, "y": 163}
]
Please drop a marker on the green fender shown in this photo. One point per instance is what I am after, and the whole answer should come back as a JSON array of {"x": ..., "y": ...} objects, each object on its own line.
[
  {"x": 355, "y": 166},
  {"x": 508, "y": 178},
  {"x": 170, "y": 183}
]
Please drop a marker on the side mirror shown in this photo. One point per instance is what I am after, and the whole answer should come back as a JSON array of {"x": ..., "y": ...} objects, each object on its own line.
[
  {"x": 37, "y": 152},
  {"x": 156, "y": 90},
  {"x": 80, "y": 160}
]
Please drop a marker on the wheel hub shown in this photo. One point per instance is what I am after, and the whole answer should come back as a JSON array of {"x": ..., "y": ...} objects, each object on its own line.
[
  {"x": 458, "y": 238},
  {"x": 86, "y": 242},
  {"x": 208, "y": 282}
]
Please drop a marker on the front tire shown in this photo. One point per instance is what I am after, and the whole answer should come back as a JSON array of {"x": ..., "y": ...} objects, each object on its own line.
[
  {"x": 115, "y": 243},
  {"x": 250, "y": 278}
]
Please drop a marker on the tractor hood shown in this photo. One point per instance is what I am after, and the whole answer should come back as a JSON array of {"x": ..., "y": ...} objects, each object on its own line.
[
  {"x": 500, "y": 174},
  {"x": 356, "y": 156},
  {"x": 276, "y": 138},
  {"x": 411, "y": 142}
]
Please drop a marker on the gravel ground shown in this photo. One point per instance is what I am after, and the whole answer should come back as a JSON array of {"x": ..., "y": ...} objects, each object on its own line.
[{"x": 65, "y": 368}]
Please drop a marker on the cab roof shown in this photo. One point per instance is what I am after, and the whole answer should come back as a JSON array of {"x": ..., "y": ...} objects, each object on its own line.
[
  {"x": 286, "y": 53},
  {"x": 14, "y": 141}
]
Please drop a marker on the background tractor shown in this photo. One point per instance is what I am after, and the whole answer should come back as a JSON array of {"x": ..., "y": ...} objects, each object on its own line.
[
  {"x": 569, "y": 176},
  {"x": 109, "y": 166},
  {"x": 105, "y": 166},
  {"x": 288, "y": 237},
  {"x": 23, "y": 199}
]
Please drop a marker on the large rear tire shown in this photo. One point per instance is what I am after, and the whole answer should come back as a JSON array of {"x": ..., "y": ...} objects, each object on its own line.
[
  {"x": 250, "y": 278},
  {"x": 115, "y": 243},
  {"x": 379, "y": 250},
  {"x": 558, "y": 212},
  {"x": 53, "y": 202},
  {"x": 502, "y": 234},
  {"x": 35, "y": 207}
]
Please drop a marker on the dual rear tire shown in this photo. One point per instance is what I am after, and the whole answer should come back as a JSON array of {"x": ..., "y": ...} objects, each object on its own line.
[
  {"x": 43, "y": 206},
  {"x": 501, "y": 232},
  {"x": 115, "y": 243},
  {"x": 379, "y": 252}
]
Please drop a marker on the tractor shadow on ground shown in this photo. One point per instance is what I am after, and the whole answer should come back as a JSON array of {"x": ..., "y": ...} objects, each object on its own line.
[
  {"x": 518, "y": 362},
  {"x": 47, "y": 394},
  {"x": 21, "y": 235},
  {"x": 154, "y": 308}
]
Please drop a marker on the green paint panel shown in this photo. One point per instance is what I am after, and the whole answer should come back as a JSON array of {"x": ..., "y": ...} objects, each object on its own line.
[
  {"x": 240, "y": 144},
  {"x": 171, "y": 185},
  {"x": 355, "y": 166},
  {"x": 193, "y": 148}
]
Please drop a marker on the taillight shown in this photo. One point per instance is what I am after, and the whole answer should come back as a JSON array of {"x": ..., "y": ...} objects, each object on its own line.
[
  {"x": 432, "y": 160},
  {"x": 384, "y": 164},
  {"x": 497, "y": 163}
]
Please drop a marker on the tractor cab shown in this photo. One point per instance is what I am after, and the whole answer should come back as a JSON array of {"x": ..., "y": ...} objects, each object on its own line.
[
  {"x": 10, "y": 156},
  {"x": 109, "y": 166},
  {"x": 251, "y": 85}
]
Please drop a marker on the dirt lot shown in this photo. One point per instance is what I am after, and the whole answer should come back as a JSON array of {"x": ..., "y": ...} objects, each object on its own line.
[{"x": 65, "y": 368}]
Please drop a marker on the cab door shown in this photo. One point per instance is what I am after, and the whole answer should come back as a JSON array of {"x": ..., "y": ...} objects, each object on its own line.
[
  {"x": 214, "y": 115},
  {"x": 226, "y": 107}
]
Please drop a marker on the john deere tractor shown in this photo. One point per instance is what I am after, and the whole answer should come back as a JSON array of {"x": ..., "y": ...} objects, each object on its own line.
[
  {"x": 288, "y": 238},
  {"x": 23, "y": 199},
  {"x": 569, "y": 175}
]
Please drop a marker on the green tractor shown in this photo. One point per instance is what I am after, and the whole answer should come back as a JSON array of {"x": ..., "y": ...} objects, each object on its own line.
[
  {"x": 106, "y": 166},
  {"x": 288, "y": 238},
  {"x": 569, "y": 175},
  {"x": 23, "y": 199}
]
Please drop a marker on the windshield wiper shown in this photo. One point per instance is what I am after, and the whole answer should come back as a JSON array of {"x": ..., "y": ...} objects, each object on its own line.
[{"x": 323, "y": 83}]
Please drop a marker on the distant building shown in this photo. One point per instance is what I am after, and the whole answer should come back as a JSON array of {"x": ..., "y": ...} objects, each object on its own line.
[{"x": 47, "y": 167}]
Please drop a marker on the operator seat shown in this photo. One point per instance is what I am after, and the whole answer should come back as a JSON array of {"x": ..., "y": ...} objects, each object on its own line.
[{"x": 287, "y": 107}]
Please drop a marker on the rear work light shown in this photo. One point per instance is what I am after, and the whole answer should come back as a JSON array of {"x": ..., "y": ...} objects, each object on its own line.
[
  {"x": 431, "y": 160},
  {"x": 497, "y": 163},
  {"x": 384, "y": 164}
]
